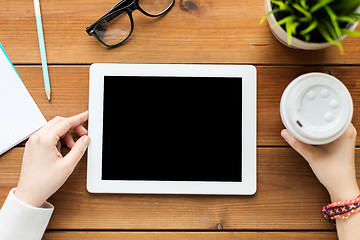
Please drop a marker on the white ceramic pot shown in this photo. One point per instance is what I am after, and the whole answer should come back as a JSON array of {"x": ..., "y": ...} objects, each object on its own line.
[{"x": 281, "y": 35}]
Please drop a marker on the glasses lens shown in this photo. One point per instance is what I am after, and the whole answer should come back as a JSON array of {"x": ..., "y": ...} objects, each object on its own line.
[
  {"x": 114, "y": 28},
  {"x": 155, "y": 7}
]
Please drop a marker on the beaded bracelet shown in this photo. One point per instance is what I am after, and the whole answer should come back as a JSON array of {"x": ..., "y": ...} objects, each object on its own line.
[{"x": 341, "y": 209}]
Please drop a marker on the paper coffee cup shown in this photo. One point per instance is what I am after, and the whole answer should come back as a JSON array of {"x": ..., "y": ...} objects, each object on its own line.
[{"x": 316, "y": 108}]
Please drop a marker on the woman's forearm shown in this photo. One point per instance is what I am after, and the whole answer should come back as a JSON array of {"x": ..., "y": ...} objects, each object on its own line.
[{"x": 349, "y": 228}]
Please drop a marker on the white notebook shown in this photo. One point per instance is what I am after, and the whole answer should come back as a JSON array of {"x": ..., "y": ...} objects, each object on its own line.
[{"x": 19, "y": 114}]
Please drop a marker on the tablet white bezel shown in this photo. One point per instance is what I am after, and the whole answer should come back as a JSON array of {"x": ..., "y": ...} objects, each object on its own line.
[{"x": 96, "y": 89}]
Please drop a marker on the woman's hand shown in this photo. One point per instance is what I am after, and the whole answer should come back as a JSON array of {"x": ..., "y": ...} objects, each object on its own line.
[
  {"x": 333, "y": 163},
  {"x": 44, "y": 170}
]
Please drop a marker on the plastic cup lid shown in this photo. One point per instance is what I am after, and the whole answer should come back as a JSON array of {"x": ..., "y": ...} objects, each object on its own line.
[{"x": 316, "y": 108}]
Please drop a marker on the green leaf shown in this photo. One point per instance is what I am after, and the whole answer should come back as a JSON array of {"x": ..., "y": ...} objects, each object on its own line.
[
  {"x": 345, "y": 7},
  {"x": 355, "y": 15},
  {"x": 304, "y": 19},
  {"x": 330, "y": 28},
  {"x": 281, "y": 4},
  {"x": 268, "y": 14},
  {"x": 348, "y": 32},
  {"x": 345, "y": 19},
  {"x": 290, "y": 30},
  {"x": 327, "y": 37},
  {"x": 333, "y": 18},
  {"x": 284, "y": 20},
  {"x": 311, "y": 27},
  {"x": 292, "y": 26},
  {"x": 323, "y": 31},
  {"x": 319, "y": 5},
  {"x": 289, "y": 33},
  {"x": 304, "y": 5},
  {"x": 307, "y": 37},
  {"x": 302, "y": 10}
]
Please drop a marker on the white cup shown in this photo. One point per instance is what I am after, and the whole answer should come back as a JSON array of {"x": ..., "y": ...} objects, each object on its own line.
[{"x": 316, "y": 108}]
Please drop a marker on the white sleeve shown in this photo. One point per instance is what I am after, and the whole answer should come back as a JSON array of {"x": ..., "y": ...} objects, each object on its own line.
[{"x": 21, "y": 221}]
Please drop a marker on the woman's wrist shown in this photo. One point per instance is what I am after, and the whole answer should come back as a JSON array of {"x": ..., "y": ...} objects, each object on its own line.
[
  {"x": 28, "y": 200},
  {"x": 345, "y": 193}
]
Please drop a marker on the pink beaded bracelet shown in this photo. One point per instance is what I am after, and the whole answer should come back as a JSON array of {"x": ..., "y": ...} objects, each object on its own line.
[{"x": 341, "y": 209}]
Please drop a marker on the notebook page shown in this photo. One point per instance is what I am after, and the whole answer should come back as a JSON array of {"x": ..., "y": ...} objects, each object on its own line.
[{"x": 19, "y": 114}]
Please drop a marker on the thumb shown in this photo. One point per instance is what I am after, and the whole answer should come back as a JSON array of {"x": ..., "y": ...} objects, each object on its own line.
[
  {"x": 303, "y": 149},
  {"x": 78, "y": 150}
]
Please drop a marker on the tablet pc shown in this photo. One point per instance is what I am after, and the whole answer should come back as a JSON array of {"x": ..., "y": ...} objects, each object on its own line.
[{"x": 172, "y": 129}]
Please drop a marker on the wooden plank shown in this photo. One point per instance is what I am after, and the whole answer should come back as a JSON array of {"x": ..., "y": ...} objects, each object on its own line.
[
  {"x": 208, "y": 32},
  {"x": 70, "y": 87},
  {"x": 190, "y": 235},
  {"x": 289, "y": 197}
]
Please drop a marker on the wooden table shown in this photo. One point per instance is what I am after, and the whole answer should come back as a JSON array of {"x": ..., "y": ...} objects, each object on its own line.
[{"x": 288, "y": 202}]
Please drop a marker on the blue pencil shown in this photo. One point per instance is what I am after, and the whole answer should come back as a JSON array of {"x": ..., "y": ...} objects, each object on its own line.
[{"x": 42, "y": 48}]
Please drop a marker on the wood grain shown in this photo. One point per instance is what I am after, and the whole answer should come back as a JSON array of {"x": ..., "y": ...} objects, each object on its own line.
[
  {"x": 289, "y": 197},
  {"x": 191, "y": 235},
  {"x": 70, "y": 90},
  {"x": 208, "y": 32}
]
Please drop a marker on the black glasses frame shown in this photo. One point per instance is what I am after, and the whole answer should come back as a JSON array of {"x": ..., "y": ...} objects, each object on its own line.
[{"x": 127, "y": 6}]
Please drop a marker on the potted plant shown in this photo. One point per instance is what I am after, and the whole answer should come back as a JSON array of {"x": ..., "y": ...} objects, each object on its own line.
[{"x": 312, "y": 24}]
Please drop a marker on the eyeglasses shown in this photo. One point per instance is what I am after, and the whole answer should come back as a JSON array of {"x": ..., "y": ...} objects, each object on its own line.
[{"x": 116, "y": 26}]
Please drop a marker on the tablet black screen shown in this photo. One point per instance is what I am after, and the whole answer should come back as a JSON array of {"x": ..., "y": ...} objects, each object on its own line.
[{"x": 172, "y": 129}]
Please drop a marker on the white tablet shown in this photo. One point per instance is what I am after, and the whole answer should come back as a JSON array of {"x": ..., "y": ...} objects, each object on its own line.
[{"x": 172, "y": 129}]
